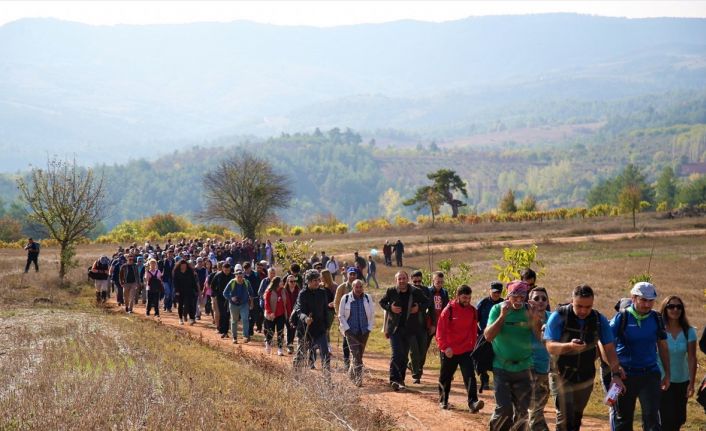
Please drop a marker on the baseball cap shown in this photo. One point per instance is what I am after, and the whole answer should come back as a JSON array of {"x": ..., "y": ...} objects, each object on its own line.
[
  {"x": 238, "y": 267},
  {"x": 496, "y": 286},
  {"x": 416, "y": 273},
  {"x": 644, "y": 289},
  {"x": 351, "y": 270}
]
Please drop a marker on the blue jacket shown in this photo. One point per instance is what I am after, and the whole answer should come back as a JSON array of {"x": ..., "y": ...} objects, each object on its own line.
[{"x": 241, "y": 292}]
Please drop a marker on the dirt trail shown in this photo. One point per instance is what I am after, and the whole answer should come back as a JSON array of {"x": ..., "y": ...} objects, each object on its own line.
[{"x": 414, "y": 409}]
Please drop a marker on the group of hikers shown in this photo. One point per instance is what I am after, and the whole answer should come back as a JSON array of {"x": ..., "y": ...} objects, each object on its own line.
[{"x": 533, "y": 353}]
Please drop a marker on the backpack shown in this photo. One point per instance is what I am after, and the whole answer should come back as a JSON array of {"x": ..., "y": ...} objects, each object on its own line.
[{"x": 658, "y": 318}]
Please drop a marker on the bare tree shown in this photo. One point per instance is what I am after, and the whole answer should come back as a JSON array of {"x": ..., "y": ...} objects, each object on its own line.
[
  {"x": 245, "y": 190},
  {"x": 68, "y": 201}
]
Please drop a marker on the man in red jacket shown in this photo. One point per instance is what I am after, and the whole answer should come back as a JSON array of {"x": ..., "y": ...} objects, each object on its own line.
[{"x": 456, "y": 335}]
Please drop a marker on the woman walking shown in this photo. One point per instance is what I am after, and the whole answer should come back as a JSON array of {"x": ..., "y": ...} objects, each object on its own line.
[
  {"x": 291, "y": 290},
  {"x": 275, "y": 314},
  {"x": 185, "y": 289},
  {"x": 154, "y": 286},
  {"x": 681, "y": 339}
]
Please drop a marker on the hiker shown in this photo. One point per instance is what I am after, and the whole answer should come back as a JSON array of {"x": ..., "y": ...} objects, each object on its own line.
[
  {"x": 484, "y": 305},
  {"x": 201, "y": 274},
  {"x": 256, "y": 316},
  {"x": 571, "y": 335},
  {"x": 237, "y": 293},
  {"x": 399, "y": 252},
  {"x": 114, "y": 275},
  {"x": 539, "y": 299},
  {"x": 154, "y": 286},
  {"x": 330, "y": 287},
  {"x": 129, "y": 280},
  {"x": 324, "y": 259},
  {"x": 292, "y": 291},
  {"x": 332, "y": 265},
  {"x": 639, "y": 334},
  {"x": 681, "y": 339},
  {"x": 356, "y": 317},
  {"x": 140, "y": 293},
  {"x": 401, "y": 303},
  {"x": 264, "y": 284},
  {"x": 275, "y": 314},
  {"x": 186, "y": 288},
  {"x": 32, "y": 254},
  {"x": 511, "y": 325},
  {"x": 360, "y": 264},
  {"x": 99, "y": 274},
  {"x": 372, "y": 271},
  {"x": 206, "y": 300},
  {"x": 344, "y": 288},
  {"x": 167, "y": 268},
  {"x": 456, "y": 336},
  {"x": 218, "y": 287},
  {"x": 438, "y": 298},
  {"x": 387, "y": 253},
  {"x": 310, "y": 313}
]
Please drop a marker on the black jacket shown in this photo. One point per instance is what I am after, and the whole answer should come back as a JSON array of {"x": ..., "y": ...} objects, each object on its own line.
[
  {"x": 314, "y": 303},
  {"x": 403, "y": 322},
  {"x": 218, "y": 284},
  {"x": 185, "y": 283}
]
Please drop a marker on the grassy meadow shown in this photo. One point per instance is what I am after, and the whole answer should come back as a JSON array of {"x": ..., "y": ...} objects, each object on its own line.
[{"x": 88, "y": 369}]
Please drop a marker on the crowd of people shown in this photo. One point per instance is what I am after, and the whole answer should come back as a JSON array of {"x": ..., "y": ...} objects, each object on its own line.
[{"x": 533, "y": 353}]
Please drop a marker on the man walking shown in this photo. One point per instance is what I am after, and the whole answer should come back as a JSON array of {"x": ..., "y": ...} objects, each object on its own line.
[
  {"x": 343, "y": 289},
  {"x": 356, "y": 316},
  {"x": 456, "y": 336},
  {"x": 572, "y": 334},
  {"x": 130, "y": 280},
  {"x": 372, "y": 271},
  {"x": 387, "y": 253},
  {"x": 483, "y": 307},
  {"x": 639, "y": 334},
  {"x": 399, "y": 252},
  {"x": 32, "y": 255},
  {"x": 511, "y": 325},
  {"x": 401, "y": 303},
  {"x": 167, "y": 268},
  {"x": 310, "y": 313}
]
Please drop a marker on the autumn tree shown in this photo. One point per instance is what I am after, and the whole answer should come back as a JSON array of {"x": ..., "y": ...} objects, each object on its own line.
[
  {"x": 630, "y": 201},
  {"x": 427, "y": 196},
  {"x": 245, "y": 190},
  {"x": 68, "y": 201},
  {"x": 507, "y": 203}
]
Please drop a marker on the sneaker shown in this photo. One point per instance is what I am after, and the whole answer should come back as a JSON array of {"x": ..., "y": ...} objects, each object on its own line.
[
  {"x": 444, "y": 406},
  {"x": 247, "y": 340},
  {"x": 280, "y": 352},
  {"x": 235, "y": 341},
  {"x": 268, "y": 349},
  {"x": 224, "y": 335},
  {"x": 290, "y": 350},
  {"x": 475, "y": 406},
  {"x": 181, "y": 321},
  {"x": 417, "y": 381},
  {"x": 395, "y": 386},
  {"x": 192, "y": 323}
]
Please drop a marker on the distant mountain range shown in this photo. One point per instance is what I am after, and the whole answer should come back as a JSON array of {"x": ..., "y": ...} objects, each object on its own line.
[{"x": 111, "y": 93}]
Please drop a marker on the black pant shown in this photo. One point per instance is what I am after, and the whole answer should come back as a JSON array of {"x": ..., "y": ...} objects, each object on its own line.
[
  {"x": 32, "y": 258},
  {"x": 119, "y": 294},
  {"x": 446, "y": 375},
  {"x": 291, "y": 332},
  {"x": 153, "y": 301},
  {"x": 672, "y": 408},
  {"x": 186, "y": 303},
  {"x": 399, "y": 343},
  {"x": 270, "y": 326},
  {"x": 398, "y": 258},
  {"x": 256, "y": 317},
  {"x": 224, "y": 322},
  {"x": 346, "y": 353}
]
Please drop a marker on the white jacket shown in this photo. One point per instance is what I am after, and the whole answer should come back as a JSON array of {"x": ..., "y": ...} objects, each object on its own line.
[{"x": 344, "y": 311}]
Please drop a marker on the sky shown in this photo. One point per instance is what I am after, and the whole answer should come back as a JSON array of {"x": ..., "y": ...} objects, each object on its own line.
[{"x": 327, "y": 13}]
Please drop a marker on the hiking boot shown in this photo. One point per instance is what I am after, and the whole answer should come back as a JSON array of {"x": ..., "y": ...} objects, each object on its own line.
[
  {"x": 181, "y": 321},
  {"x": 475, "y": 406},
  {"x": 290, "y": 350},
  {"x": 247, "y": 340},
  {"x": 395, "y": 386},
  {"x": 417, "y": 381},
  {"x": 224, "y": 335},
  {"x": 280, "y": 352},
  {"x": 444, "y": 406},
  {"x": 192, "y": 323},
  {"x": 235, "y": 341}
]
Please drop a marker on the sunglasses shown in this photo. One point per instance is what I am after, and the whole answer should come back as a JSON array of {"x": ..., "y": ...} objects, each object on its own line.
[
  {"x": 540, "y": 298},
  {"x": 675, "y": 307}
]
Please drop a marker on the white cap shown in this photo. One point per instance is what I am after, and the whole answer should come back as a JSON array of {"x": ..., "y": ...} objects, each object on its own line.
[{"x": 644, "y": 289}]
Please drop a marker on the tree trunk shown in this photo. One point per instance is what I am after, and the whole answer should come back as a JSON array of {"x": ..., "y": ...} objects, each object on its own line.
[
  {"x": 454, "y": 209},
  {"x": 634, "y": 221},
  {"x": 62, "y": 262}
]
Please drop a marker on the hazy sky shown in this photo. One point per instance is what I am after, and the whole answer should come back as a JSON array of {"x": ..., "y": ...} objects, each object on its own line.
[{"x": 327, "y": 13}]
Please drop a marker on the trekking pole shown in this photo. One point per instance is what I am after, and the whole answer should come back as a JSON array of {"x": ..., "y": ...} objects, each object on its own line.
[
  {"x": 429, "y": 254},
  {"x": 652, "y": 252}
]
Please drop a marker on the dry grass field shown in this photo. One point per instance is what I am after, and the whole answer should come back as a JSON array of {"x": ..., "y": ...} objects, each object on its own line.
[{"x": 92, "y": 370}]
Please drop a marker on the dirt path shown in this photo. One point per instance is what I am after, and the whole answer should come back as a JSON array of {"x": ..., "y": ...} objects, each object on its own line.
[{"x": 414, "y": 409}]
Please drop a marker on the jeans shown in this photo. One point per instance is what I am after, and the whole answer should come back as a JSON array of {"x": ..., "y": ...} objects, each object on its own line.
[
  {"x": 270, "y": 326},
  {"x": 446, "y": 375},
  {"x": 646, "y": 387},
  {"x": 239, "y": 313},
  {"x": 371, "y": 276},
  {"x": 513, "y": 391},
  {"x": 418, "y": 344},
  {"x": 129, "y": 291},
  {"x": 399, "y": 343},
  {"x": 30, "y": 259},
  {"x": 672, "y": 409},
  {"x": 540, "y": 395},
  {"x": 570, "y": 400},
  {"x": 357, "y": 343},
  {"x": 168, "y": 295},
  {"x": 119, "y": 293},
  {"x": 306, "y": 348}
]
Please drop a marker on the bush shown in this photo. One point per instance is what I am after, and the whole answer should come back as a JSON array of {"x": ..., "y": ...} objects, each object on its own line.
[
  {"x": 165, "y": 223},
  {"x": 403, "y": 221},
  {"x": 341, "y": 228},
  {"x": 274, "y": 231},
  {"x": 296, "y": 230},
  {"x": 10, "y": 229}
]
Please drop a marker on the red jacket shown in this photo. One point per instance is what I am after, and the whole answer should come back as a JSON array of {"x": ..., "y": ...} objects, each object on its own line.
[{"x": 457, "y": 328}]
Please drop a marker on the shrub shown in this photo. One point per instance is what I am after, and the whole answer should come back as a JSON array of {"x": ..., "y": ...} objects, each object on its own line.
[
  {"x": 296, "y": 230},
  {"x": 10, "y": 229},
  {"x": 341, "y": 228},
  {"x": 403, "y": 221},
  {"x": 274, "y": 231},
  {"x": 165, "y": 223},
  {"x": 316, "y": 228}
]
